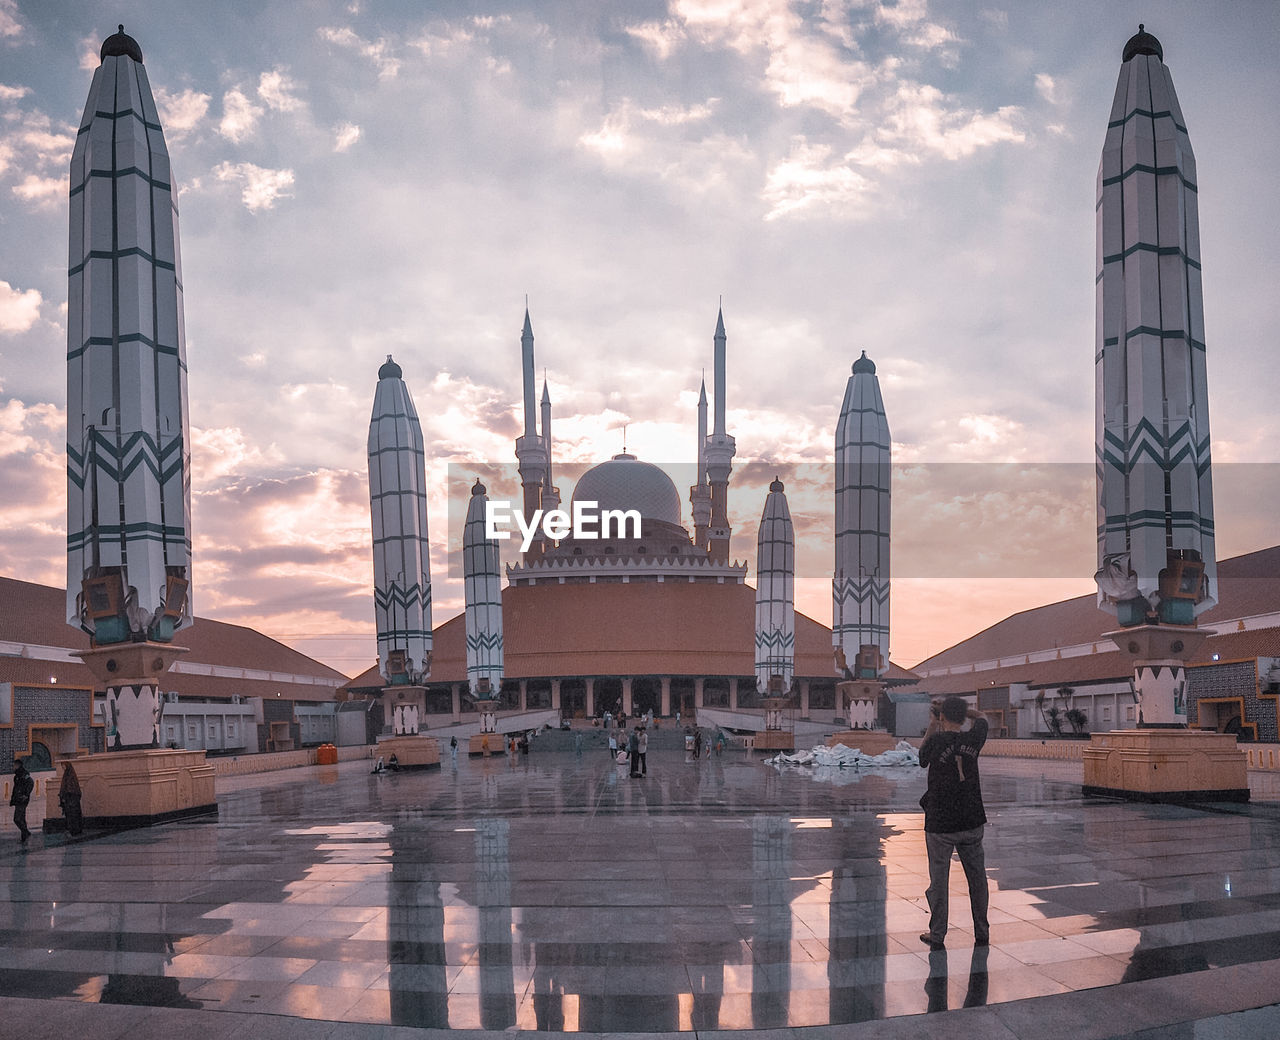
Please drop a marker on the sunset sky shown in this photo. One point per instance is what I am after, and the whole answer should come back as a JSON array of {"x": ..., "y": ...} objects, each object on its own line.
[{"x": 912, "y": 179}]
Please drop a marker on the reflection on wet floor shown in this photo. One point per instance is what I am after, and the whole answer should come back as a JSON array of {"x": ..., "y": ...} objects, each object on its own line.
[{"x": 561, "y": 895}]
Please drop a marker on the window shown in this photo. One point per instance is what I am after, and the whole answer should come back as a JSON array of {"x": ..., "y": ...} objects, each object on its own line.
[
  {"x": 1106, "y": 713},
  {"x": 1128, "y": 713}
]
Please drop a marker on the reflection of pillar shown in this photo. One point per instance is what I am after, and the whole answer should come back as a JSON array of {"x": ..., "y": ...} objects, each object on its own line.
[
  {"x": 493, "y": 900},
  {"x": 771, "y": 944},
  {"x": 708, "y": 988},
  {"x": 699, "y": 690},
  {"x": 591, "y": 696},
  {"x": 419, "y": 987},
  {"x": 626, "y": 695},
  {"x": 857, "y": 943},
  {"x": 665, "y": 705}
]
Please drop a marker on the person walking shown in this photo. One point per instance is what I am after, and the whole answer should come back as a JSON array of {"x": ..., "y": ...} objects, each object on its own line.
[
  {"x": 21, "y": 797},
  {"x": 644, "y": 751},
  {"x": 954, "y": 816}
]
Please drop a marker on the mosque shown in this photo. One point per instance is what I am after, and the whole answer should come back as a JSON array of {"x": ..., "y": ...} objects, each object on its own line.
[{"x": 631, "y": 620}]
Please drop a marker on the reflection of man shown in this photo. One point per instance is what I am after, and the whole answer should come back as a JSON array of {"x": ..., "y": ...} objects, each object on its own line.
[{"x": 953, "y": 814}]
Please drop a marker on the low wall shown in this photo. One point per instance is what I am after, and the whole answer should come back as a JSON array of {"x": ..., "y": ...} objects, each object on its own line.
[
  {"x": 1258, "y": 756},
  {"x": 241, "y": 765}
]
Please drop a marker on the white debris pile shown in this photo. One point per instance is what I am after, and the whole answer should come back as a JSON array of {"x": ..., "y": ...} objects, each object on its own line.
[{"x": 843, "y": 757}]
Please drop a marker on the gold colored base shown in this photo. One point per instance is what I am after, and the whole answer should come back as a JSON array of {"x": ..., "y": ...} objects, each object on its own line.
[
  {"x": 1165, "y": 765},
  {"x": 412, "y": 752},
  {"x": 122, "y": 789},
  {"x": 775, "y": 740},
  {"x": 497, "y": 744}
]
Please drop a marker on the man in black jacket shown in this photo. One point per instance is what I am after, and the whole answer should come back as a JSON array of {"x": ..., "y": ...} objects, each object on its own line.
[
  {"x": 22, "y": 787},
  {"x": 953, "y": 814}
]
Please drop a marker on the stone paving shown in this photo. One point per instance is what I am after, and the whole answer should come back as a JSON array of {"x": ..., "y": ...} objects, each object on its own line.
[{"x": 553, "y": 892}]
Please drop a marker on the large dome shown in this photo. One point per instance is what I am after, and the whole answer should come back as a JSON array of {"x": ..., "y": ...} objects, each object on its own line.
[{"x": 624, "y": 482}]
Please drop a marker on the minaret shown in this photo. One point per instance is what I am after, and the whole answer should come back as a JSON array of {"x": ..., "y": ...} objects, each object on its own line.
[
  {"x": 700, "y": 493},
  {"x": 719, "y": 454},
  {"x": 482, "y": 584},
  {"x": 401, "y": 552},
  {"x": 775, "y": 596},
  {"x": 531, "y": 453},
  {"x": 860, "y": 591},
  {"x": 128, "y": 443},
  {"x": 550, "y": 493},
  {"x": 1155, "y": 491}
]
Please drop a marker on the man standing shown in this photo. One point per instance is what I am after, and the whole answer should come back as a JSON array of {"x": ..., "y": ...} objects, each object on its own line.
[
  {"x": 953, "y": 814},
  {"x": 644, "y": 751},
  {"x": 633, "y": 751},
  {"x": 22, "y": 787}
]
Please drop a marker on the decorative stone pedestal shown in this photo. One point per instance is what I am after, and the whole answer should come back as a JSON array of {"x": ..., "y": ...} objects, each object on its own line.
[
  {"x": 868, "y": 741},
  {"x": 774, "y": 737},
  {"x": 860, "y": 701},
  {"x": 404, "y": 708},
  {"x": 135, "y": 783},
  {"x": 1165, "y": 765},
  {"x": 412, "y": 752},
  {"x": 141, "y": 788},
  {"x": 487, "y": 741}
]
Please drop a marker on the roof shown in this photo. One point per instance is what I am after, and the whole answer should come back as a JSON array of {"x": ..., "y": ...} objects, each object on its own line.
[
  {"x": 1248, "y": 587},
  {"x": 651, "y": 628},
  {"x": 254, "y": 664}
]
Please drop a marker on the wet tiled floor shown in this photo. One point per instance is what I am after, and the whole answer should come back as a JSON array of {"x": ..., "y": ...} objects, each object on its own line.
[{"x": 556, "y": 893}]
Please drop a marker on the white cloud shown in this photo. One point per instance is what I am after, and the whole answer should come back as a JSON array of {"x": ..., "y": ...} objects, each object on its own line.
[
  {"x": 808, "y": 179},
  {"x": 180, "y": 113},
  {"x": 239, "y": 116},
  {"x": 276, "y": 88},
  {"x": 345, "y": 136},
  {"x": 260, "y": 188},
  {"x": 19, "y": 309},
  {"x": 43, "y": 191},
  {"x": 10, "y": 25},
  {"x": 1047, "y": 88},
  {"x": 662, "y": 37},
  {"x": 376, "y": 51},
  {"x": 921, "y": 118},
  {"x": 8, "y": 93}
]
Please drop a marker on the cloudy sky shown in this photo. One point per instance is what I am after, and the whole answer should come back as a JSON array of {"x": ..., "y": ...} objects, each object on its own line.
[{"x": 914, "y": 179}]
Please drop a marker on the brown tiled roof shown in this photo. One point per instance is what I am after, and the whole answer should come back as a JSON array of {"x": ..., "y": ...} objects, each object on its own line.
[
  {"x": 35, "y": 615},
  {"x": 650, "y": 628},
  {"x": 1248, "y": 586}
]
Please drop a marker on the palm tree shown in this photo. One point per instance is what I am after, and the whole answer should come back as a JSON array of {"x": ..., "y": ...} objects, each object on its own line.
[
  {"x": 1078, "y": 720},
  {"x": 1053, "y": 716}
]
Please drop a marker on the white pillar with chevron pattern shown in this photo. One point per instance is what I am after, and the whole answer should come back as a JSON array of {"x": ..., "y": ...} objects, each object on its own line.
[
  {"x": 775, "y": 595},
  {"x": 482, "y": 584},
  {"x": 860, "y": 591},
  {"x": 128, "y": 443},
  {"x": 1155, "y": 488},
  {"x": 401, "y": 551}
]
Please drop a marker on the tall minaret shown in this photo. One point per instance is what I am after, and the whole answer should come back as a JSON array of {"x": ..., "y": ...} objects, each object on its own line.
[
  {"x": 775, "y": 596},
  {"x": 700, "y": 494},
  {"x": 1155, "y": 491},
  {"x": 860, "y": 591},
  {"x": 550, "y": 493},
  {"x": 719, "y": 457},
  {"x": 531, "y": 452},
  {"x": 482, "y": 584},
  {"x": 128, "y": 443},
  {"x": 401, "y": 552}
]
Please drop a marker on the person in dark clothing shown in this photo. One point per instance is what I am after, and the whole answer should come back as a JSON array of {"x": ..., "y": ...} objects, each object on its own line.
[
  {"x": 21, "y": 798},
  {"x": 69, "y": 799},
  {"x": 633, "y": 751},
  {"x": 954, "y": 816}
]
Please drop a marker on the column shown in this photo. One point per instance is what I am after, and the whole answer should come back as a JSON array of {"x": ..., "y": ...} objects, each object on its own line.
[
  {"x": 555, "y": 694},
  {"x": 591, "y": 696},
  {"x": 733, "y": 694},
  {"x": 524, "y": 694},
  {"x": 804, "y": 698},
  {"x": 626, "y": 695},
  {"x": 666, "y": 696},
  {"x": 455, "y": 693},
  {"x": 699, "y": 686}
]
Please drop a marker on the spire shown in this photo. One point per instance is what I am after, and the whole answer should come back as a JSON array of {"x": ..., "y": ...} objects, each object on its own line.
[
  {"x": 718, "y": 374},
  {"x": 547, "y": 482},
  {"x": 702, "y": 433},
  {"x": 526, "y": 364}
]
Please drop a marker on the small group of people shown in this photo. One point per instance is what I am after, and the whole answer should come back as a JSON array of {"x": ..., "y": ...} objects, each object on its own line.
[
  {"x": 69, "y": 795},
  {"x": 631, "y": 748},
  {"x": 701, "y": 747}
]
